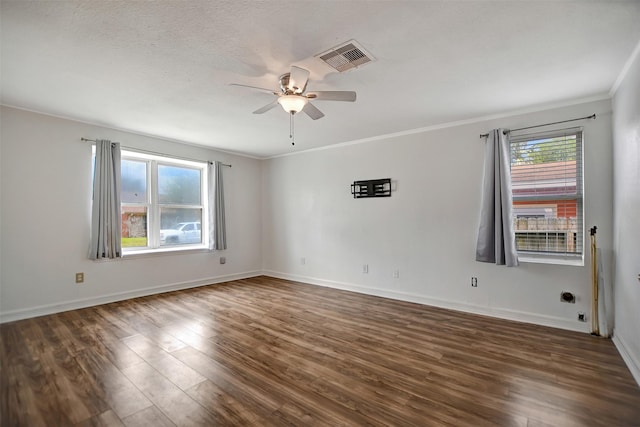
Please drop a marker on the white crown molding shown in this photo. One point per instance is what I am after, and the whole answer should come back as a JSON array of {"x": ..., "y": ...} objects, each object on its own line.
[
  {"x": 446, "y": 125},
  {"x": 625, "y": 70},
  {"x": 132, "y": 132}
]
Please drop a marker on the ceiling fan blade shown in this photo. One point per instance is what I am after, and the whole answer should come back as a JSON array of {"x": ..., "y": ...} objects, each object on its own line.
[
  {"x": 271, "y": 91},
  {"x": 298, "y": 79},
  {"x": 332, "y": 95},
  {"x": 266, "y": 107},
  {"x": 312, "y": 111}
]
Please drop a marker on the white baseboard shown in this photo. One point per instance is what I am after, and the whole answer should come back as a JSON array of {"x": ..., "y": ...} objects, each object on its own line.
[
  {"x": 501, "y": 313},
  {"x": 631, "y": 359},
  {"x": 10, "y": 316}
]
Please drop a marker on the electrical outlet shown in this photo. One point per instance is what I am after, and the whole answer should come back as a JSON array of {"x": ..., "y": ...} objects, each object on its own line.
[
  {"x": 365, "y": 268},
  {"x": 582, "y": 317},
  {"x": 396, "y": 274},
  {"x": 223, "y": 260},
  {"x": 79, "y": 277},
  {"x": 474, "y": 282}
]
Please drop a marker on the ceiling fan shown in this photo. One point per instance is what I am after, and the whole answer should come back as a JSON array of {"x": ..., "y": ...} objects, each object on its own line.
[{"x": 293, "y": 98}]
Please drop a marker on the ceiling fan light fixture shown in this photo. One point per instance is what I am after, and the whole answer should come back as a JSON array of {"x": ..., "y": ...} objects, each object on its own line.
[{"x": 292, "y": 103}]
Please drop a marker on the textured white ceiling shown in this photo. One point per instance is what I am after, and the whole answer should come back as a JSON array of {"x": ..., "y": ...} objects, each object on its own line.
[{"x": 163, "y": 68}]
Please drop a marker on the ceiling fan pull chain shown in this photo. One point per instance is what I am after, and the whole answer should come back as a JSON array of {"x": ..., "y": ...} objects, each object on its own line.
[{"x": 291, "y": 129}]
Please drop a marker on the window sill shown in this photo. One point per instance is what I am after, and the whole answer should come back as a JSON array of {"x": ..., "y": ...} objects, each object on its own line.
[
  {"x": 532, "y": 259},
  {"x": 150, "y": 253}
]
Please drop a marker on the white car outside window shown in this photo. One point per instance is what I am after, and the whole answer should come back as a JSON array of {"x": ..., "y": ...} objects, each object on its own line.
[{"x": 182, "y": 233}]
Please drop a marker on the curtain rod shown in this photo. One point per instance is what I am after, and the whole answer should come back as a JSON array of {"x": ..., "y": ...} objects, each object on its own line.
[
  {"x": 593, "y": 116},
  {"x": 156, "y": 153}
]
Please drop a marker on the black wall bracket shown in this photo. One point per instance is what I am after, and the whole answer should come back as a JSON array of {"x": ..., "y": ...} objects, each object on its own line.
[{"x": 371, "y": 188}]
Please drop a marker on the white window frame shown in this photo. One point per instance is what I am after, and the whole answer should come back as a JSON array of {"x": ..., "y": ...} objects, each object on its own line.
[
  {"x": 154, "y": 207},
  {"x": 551, "y": 257}
]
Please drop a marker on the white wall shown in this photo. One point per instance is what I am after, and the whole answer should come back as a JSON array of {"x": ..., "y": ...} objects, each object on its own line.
[
  {"x": 626, "y": 204},
  {"x": 45, "y": 212},
  {"x": 428, "y": 228}
]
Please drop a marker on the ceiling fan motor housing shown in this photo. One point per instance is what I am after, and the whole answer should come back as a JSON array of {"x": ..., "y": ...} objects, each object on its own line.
[{"x": 284, "y": 85}]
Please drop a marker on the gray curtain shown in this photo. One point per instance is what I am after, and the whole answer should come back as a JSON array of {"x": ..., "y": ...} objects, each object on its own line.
[
  {"x": 217, "y": 224},
  {"x": 496, "y": 239},
  {"x": 106, "y": 221}
]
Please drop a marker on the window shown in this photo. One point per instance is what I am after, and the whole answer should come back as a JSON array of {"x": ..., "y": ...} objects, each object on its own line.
[
  {"x": 546, "y": 178},
  {"x": 164, "y": 203}
]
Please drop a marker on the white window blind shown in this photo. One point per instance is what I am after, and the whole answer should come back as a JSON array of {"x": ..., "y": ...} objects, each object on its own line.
[{"x": 546, "y": 178}]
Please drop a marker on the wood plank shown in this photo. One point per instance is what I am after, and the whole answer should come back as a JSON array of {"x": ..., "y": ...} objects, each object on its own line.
[
  {"x": 114, "y": 388},
  {"x": 179, "y": 407},
  {"x": 19, "y": 406},
  {"x": 222, "y": 403},
  {"x": 150, "y": 416},
  {"x": 174, "y": 370},
  {"x": 105, "y": 419}
]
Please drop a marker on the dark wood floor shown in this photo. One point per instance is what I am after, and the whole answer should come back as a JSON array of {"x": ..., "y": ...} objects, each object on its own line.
[{"x": 269, "y": 352}]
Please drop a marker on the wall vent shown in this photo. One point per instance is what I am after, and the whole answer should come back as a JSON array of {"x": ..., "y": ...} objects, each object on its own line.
[{"x": 346, "y": 56}]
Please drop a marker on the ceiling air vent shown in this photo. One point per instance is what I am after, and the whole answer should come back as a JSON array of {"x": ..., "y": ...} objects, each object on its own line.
[{"x": 346, "y": 56}]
